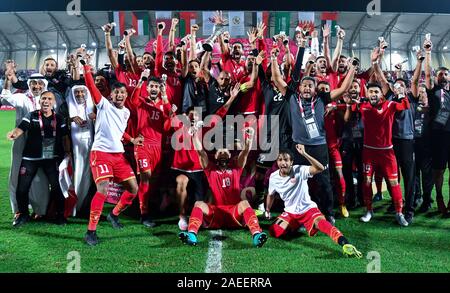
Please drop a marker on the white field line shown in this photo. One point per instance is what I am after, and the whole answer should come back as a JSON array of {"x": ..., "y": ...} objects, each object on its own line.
[{"x": 214, "y": 260}]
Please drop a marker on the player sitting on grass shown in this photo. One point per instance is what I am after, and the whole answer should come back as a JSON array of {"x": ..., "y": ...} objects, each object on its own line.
[
  {"x": 291, "y": 183},
  {"x": 228, "y": 209}
]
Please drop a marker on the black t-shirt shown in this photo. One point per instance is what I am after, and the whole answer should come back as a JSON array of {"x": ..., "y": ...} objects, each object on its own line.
[
  {"x": 34, "y": 142},
  {"x": 276, "y": 105},
  {"x": 194, "y": 94},
  {"x": 354, "y": 129},
  {"x": 305, "y": 126},
  {"x": 216, "y": 97},
  {"x": 435, "y": 98},
  {"x": 421, "y": 120},
  {"x": 403, "y": 126}
]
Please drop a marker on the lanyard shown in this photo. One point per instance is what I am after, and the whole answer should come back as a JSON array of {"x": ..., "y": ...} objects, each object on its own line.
[
  {"x": 32, "y": 100},
  {"x": 442, "y": 98},
  {"x": 301, "y": 106},
  {"x": 41, "y": 124}
]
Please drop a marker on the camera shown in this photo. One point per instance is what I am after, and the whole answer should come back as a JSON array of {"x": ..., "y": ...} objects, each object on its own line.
[
  {"x": 280, "y": 35},
  {"x": 355, "y": 62},
  {"x": 160, "y": 26}
]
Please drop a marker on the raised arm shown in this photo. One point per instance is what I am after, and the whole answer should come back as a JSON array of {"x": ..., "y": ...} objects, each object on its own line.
[
  {"x": 184, "y": 61},
  {"x": 337, "y": 93},
  {"x": 193, "y": 42},
  {"x": 90, "y": 83},
  {"x": 299, "y": 60},
  {"x": 135, "y": 96},
  {"x": 278, "y": 80},
  {"x": 203, "y": 156},
  {"x": 173, "y": 30},
  {"x": 326, "y": 44},
  {"x": 375, "y": 58},
  {"x": 416, "y": 76},
  {"x": 107, "y": 28},
  {"x": 243, "y": 155},
  {"x": 428, "y": 46},
  {"x": 159, "y": 49},
  {"x": 316, "y": 167},
  {"x": 130, "y": 53},
  {"x": 204, "y": 66},
  {"x": 338, "y": 49}
]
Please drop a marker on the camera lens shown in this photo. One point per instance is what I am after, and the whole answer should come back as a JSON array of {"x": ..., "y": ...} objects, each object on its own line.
[{"x": 160, "y": 26}]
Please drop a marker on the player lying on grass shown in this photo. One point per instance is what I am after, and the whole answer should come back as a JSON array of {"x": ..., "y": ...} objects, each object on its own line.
[
  {"x": 228, "y": 210},
  {"x": 291, "y": 183}
]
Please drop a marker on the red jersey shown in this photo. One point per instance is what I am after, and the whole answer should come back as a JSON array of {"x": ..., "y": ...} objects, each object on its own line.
[
  {"x": 378, "y": 123},
  {"x": 152, "y": 119},
  {"x": 248, "y": 102},
  {"x": 236, "y": 69},
  {"x": 224, "y": 184},
  {"x": 331, "y": 78},
  {"x": 185, "y": 157},
  {"x": 339, "y": 78},
  {"x": 333, "y": 125}
]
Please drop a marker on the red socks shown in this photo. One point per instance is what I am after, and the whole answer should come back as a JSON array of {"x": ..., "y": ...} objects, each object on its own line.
[
  {"x": 396, "y": 194},
  {"x": 368, "y": 194},
  {"x": 96, "y": 210},
  {"x": 195, "y": 220},
  {"x": 144, "y": 194},
  {"x": 251, "y": 221},
  {"x": 341, "y": 189},
  {"x": 325, "y": 227},
  {"x": 125, "y": 201}
]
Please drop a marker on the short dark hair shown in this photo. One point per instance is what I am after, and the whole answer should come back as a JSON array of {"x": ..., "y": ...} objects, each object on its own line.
[
  {"x": 194, "y": 60},
  {"x": 342, "y": 56},
  {"x": 170, "y": 53},
  {"x": 154, "y": 79},
  {"x": 375, "y": 84},
  {"x": 286, "y": 152},
  {"x": 46, "y": 92},
  {"x": 442, "y": 68},
  {"x": 310, "y": 78},
  {"x": 406, "y": 82},
  {"x": 237, "y": 42},
  {"x": 117, "y": 85},
  {"x": 147, "y": 53},
  {"x": 320, "y": 57},
  {"x": 323, "y": 82}
]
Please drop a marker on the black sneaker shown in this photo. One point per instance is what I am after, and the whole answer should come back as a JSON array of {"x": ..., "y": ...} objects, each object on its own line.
[
  {"x": 91, "y": 238},
  {"x": 378, "y": 197},
  {"x": 114, "y": 220},
  {"x": 147, "y": 221},
  {"x": 60, "y": 220},
  {"x": 21, "y": 219}
]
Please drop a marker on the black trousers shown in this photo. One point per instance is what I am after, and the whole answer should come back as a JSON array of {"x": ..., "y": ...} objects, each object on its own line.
[
  {"x": 28, "y": 170},
  {"x": 422, "y": 150},
  {"x": 322, "y": 193},
  {"x": 351, "y": 151},
  {"x": 404, "y": 152}
]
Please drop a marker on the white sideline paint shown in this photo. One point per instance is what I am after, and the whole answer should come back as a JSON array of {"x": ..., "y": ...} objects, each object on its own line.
[{"x": 214, "y": 260}]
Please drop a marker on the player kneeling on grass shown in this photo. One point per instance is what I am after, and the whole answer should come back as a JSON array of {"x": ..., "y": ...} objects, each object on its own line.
[
  {"x": 228, "y": 209},
  {"x": 291, "y": 183}
]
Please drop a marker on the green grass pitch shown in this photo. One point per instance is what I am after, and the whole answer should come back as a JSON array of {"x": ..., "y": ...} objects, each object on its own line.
[{"x": 43, "y": 247}]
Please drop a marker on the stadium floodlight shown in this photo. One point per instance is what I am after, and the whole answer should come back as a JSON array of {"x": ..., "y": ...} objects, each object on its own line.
[
  {"x": 445, "y": 48},
  {"x": 52, "y": 51},
  {"x": 64, "y": 45},
  {"x": 354, "y": 44},
  {"x": 33, "y": 46},
  {"x": 94, "y": 44}
]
